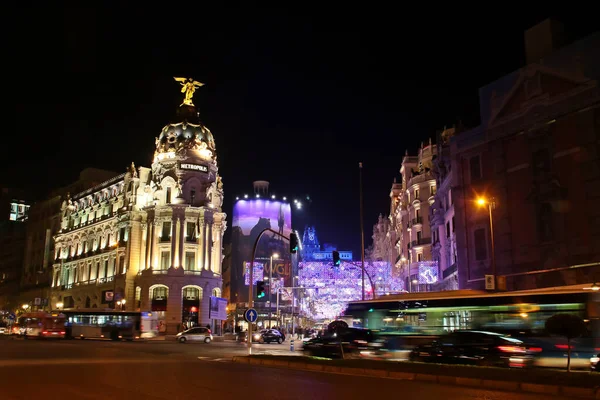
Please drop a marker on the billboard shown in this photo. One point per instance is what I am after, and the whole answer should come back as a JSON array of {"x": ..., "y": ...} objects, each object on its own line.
[
  {"x": 218, "y": 308},
  {"x": 250, "y": 218}
]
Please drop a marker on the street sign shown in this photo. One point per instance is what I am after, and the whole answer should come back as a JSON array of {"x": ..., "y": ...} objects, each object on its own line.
[
  {"x": 251, "y": 315},
  {"x": 37, "y": 301},
  {"x": 501, "y": 282},
  {"x": 489, "y": 282}
]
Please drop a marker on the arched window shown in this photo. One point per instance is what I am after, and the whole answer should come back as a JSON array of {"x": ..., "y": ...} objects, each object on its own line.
[{"x": 216, "y": 292}]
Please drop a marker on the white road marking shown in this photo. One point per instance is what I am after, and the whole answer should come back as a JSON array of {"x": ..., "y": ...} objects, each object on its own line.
[{"x": 58, "y": 361}]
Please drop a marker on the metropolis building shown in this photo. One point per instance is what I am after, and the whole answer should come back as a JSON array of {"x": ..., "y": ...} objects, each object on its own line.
[{"x": 149, "y": 239}]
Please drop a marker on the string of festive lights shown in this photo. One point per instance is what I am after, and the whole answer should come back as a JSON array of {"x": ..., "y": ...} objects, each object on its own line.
[{"x": 331, "y": 288}]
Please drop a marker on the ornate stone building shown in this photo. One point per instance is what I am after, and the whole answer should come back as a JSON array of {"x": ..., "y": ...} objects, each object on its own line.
[
  {"x": 410, "y": 203},
  {"x": 150, "y": 236},
  {"x": 441, "y": 215},
  {"x": 382, "y": 248}
]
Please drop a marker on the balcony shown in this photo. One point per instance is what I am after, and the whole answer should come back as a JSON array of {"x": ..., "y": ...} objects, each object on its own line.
[
  {"x": 190, "y": 272},
  {"x": 190, "y": 239},
  {"x": 420, "y": 242},
  {"x": 164, "y": 239},
  {"x": 417, "y": 220}
]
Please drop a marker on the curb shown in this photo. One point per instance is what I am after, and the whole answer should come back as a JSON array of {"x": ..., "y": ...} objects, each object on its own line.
[{"x": 555, "y": 390}]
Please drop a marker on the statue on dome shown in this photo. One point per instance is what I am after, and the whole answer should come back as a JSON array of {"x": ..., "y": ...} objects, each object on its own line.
[{"x": 188, "y": 86}]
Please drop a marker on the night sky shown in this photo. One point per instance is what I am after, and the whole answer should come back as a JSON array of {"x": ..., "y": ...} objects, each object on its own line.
[{"x": 296, "y": 97}]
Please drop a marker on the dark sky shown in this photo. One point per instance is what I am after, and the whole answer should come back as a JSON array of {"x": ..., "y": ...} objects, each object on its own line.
[{"x": 296, "y": 97}]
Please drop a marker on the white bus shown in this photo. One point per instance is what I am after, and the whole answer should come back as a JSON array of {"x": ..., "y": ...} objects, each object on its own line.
[{"x": 110, "y": 324}]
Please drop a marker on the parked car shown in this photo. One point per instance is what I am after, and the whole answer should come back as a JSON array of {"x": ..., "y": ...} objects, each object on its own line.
[
  {"x": 195, "y": 335},
  {"x": 476, "y": 348},
  {"x": 3, "y": 330}
]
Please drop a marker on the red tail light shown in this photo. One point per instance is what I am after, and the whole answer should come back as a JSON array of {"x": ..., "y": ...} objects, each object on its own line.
[
  {"x": 209, "y": 331},
  {"x": 511, "y": 349},
  {"x": 563, "y": 346},
  {"x": 535, "y": 349},
  {"x": 62, "y": 333},
  {"x": 44, "y": 332}
]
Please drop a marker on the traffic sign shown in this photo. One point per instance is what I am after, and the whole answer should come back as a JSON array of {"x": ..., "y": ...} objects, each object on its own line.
[{"x": 251, "y": 315}]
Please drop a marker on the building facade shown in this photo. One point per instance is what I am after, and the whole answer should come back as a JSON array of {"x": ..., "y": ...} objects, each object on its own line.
[
  {"x": 14, "y": 212},
  {"x": 151, "y": 237},
  {"x": 43, "y": 223},
  {"x": 418, "y": 190},
  {"x": 441, "y": 215},
  {"x": 535, "y": 159},
  {"x": 312, "y": 251}
]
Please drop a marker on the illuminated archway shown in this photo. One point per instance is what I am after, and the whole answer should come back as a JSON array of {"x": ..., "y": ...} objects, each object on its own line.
[
  {"x": 191, "y": 297},
  {"x": 158, "y": 297}
]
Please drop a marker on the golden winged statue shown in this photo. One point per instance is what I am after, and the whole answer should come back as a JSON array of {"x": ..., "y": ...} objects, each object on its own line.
[{"x": 189, "y": 86}]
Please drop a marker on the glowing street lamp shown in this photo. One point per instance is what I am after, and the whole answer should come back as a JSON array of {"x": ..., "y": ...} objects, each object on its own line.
[
  {"x": 491, "y": 204},
  {"x": 25, "y": 307},
  {"x": 59, "y": 306}
]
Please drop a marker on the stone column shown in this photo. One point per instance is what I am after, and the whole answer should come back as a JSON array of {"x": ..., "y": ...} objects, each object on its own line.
[
  {"x": 209, "y": 247},
  {"x": 204, "y": 245},
  {"x": 182, "y": 224},
  {"x": 128, "y": 248},
  {"x": 143, "y": 242},
  {"x": 173, "y": 239},
  {"x": 200, "y": 245},
  {"x": 152, "y": 245}
]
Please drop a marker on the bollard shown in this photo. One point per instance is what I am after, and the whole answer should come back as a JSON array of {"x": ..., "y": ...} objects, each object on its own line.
[{"x": 291, "y": 344}]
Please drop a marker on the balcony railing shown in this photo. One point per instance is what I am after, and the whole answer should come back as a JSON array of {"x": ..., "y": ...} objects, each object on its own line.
[
  {"x": 420, "y": 242},
  {"x": 417, "y": 220},
  {"x": 189, "y": 272}
]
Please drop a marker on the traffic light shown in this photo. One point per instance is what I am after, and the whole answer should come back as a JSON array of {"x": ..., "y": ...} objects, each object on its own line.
[
  {"x": 260, "y": 289},
  {"x": 336, "y": 258},
  {"x": 293, "y": 243}
]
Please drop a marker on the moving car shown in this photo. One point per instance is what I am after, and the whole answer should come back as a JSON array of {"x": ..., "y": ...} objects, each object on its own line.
[
  {"x": 594, "y": 361},
  {"x": 195, "y": 335},
  {"x": 476, "y": 348},
  {"x": 342, "y": 343},
  {"x": 268, "y": 336}
]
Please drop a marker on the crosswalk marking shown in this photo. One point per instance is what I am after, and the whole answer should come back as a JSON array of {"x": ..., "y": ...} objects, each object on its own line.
[{"x": 215, "y": 359}]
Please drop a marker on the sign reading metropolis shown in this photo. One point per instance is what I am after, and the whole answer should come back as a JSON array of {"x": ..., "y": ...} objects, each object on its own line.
[
  {"x": 250, "y": 218},
  {"x": 194, "y": 167}
]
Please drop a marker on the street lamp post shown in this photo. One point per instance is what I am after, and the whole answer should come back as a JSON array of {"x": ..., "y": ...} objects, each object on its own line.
[
  {"x": 362, "y": 233},
  {"x": 273, "y": 256},
  {"x": 491, "y": 204}
]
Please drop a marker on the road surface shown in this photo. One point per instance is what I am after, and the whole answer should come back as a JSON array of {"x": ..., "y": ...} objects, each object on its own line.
[{"x": 78, "y": 369}]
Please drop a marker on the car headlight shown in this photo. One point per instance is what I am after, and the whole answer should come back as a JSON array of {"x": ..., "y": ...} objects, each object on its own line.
[
  {"x": 179, "y": 334},
  {"x": 594, "y": 360},
  {"x": 256, "y": 336}
]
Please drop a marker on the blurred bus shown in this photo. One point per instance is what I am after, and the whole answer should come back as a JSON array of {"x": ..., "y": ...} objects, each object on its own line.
[
  {"x": 412, "y": 318},
  {"x": 41, "y": 324},
  {"x": 111, "y": 324}
]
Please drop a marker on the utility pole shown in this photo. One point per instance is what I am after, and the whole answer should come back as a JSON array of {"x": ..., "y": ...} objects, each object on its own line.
[{"x": 362, "y": 233}]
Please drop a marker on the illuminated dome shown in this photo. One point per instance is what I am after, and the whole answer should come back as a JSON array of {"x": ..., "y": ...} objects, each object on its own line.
[{"x": 187, "y": 135}]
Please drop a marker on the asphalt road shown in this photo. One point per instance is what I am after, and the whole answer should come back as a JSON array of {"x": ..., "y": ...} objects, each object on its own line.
[{"x": 166, "y": 370}]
